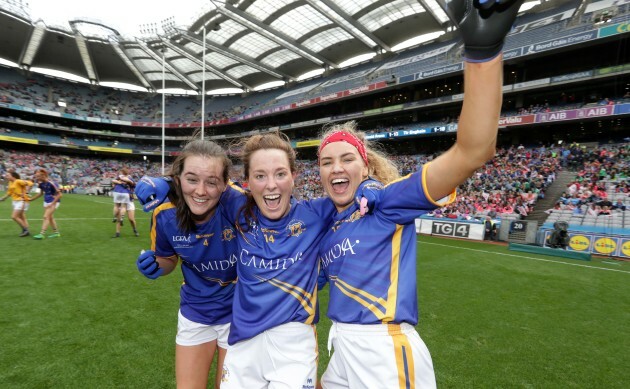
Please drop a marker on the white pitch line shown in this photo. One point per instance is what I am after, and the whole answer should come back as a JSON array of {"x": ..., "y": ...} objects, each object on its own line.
[{"x": 523, "y": 256}]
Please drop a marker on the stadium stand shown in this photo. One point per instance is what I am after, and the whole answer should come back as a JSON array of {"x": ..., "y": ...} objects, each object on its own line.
[{"x": 408, "y": 102}]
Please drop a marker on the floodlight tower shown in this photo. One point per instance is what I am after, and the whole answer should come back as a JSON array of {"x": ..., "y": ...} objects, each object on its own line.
[
  {"x": 152, "y": 29},
  {"x": 203, "y": 83},
  {"x": 163, "y": 51},
  {"x": 168, "y": 25}
]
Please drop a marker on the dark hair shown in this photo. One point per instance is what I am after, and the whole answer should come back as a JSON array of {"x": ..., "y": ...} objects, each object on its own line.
[
  {"x": 196, "y": 147},
  {"x": 15, "y": 175},
  {"x": 247, "y": 146}
]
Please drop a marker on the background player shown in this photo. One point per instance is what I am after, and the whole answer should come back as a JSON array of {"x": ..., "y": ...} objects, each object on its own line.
[
  {"x": 18, "y": 191},
  {"x": 122, "y": 192},
  {"x": 131, "y": 214},
  {"x": 52, "y": 198}
]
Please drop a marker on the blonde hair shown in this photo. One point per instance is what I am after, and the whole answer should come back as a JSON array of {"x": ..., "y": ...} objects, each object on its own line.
[{"x": 379, "y": 166}]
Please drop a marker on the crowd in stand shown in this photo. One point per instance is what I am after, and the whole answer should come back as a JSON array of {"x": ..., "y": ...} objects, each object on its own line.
[
  {"x": 84, "y": 173},
  {"x": 602, "y": 172},
  {"x": 511, "y": 183},
  {"x": 105, "y": 103}
]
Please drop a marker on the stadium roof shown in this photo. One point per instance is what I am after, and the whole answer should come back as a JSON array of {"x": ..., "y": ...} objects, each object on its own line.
[{"x": 247, "y": 43}]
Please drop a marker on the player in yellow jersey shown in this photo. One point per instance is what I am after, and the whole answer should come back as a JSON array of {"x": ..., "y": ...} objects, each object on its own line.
[{"x": 18, "y": 190}]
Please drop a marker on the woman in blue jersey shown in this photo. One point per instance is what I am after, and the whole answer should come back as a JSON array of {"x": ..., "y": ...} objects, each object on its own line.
[
  {"x": 370, "y": 259},
  {"x": 52, "y": 198},
  {"x": 272, "y": 338},
  {"x": 192, "y": 229},
  {"x": 370, "y": 262}
]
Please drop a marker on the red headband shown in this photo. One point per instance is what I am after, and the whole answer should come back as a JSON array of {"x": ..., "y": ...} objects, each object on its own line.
[{"x": 343, "y": 136}]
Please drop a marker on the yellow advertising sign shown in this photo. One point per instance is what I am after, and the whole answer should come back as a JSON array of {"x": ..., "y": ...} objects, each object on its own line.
[
  {"x": 110, "y": 149},
  {"x": 308, "y": 143},
  {"x": 19, "y": 140},
  {"x": 579, "y": 242},
  {"x": 605, "y": 245}
]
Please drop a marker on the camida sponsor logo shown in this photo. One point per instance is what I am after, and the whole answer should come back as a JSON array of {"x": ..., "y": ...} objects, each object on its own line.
[{"x": 579, "y": 242}]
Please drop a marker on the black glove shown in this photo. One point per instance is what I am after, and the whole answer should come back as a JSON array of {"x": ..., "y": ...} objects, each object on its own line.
[{"x": 483, "y": 25}]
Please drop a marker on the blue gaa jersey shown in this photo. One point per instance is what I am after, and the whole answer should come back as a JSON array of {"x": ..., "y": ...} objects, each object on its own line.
[
  {"x": 370, "y": 261},
  {"x": 123, "y": 188},
  {"x": 208, "y": 263},
  {"x": 277, "y": 267},
  {"x": 49, "y": 189}
]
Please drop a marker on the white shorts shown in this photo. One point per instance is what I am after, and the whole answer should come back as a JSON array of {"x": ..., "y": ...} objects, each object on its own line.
[
  {"x": 20, "y": 205},
  {"x": 378, "y": 356},
  {"x": 121, "y": 198},
  {"x": 190, "y": 333},
  {"x": 48, "y": 204},
  {"x": 282, "y": 357},
  {"x": 131, "y": 206}
]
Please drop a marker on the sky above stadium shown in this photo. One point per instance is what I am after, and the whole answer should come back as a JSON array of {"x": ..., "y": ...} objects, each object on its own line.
[{"x": 126, "y": 16}]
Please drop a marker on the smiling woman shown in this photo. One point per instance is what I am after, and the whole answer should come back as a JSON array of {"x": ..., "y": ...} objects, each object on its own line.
[
  {"x": 271, "y": 182},
  {"x": 202, "y": 183},
  {"x": 373, "y": 302},
  {"x": 275, "y": 303},
  {"x": 191, "y": 227}
]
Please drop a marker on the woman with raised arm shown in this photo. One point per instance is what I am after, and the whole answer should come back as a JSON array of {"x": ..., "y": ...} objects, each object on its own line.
[{"x": 370, "y": 259}]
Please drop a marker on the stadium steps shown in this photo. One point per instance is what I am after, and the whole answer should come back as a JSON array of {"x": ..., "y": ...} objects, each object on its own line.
[
  {"x": 552, "y": 193},
  {"x": 517, "y": 237}
]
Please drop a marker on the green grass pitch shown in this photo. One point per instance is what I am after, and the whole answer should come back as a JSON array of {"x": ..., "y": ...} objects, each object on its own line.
[{"x": 75, "y": 312}]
